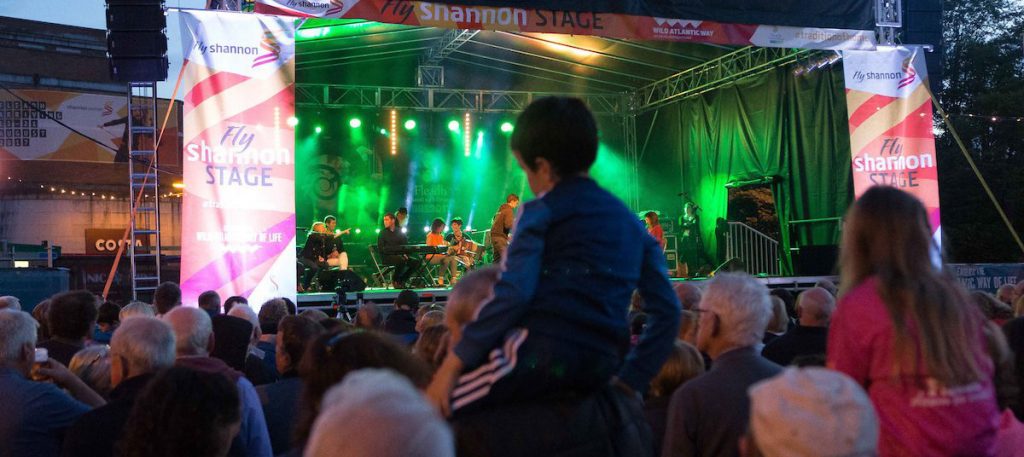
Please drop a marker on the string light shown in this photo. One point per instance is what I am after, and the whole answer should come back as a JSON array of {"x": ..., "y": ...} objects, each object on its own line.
[
  {"x": 990, "y": 117},
  {"x": 394, "y": 132},
  {"x": 467, "y": 139}
]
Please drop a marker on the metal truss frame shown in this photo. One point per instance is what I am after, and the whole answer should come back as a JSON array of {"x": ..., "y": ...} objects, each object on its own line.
[
  {"x": 713, "y": 74},
  {"x": 451, "y": 40},
  {"x": 440, "y": 99}
]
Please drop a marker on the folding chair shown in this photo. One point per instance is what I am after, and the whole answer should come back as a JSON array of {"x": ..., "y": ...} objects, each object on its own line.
[{"x": 384, "y": 275}]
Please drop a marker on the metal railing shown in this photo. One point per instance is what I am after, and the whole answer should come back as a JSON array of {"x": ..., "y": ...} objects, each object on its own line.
[{"x": 759, "y": 252}]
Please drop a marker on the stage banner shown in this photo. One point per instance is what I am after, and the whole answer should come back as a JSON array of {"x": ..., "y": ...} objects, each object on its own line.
[
  {"x": 41, "y": 125},
  {"x": 238, "y": 207},
  {"x": 890, "y": 117},
  {"x": 988, "y": 277},
  {"x": 546, "y": 19}
]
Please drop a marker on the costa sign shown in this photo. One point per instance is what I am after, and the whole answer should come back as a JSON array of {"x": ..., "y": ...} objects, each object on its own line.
[{"x": 107, "y": 241}]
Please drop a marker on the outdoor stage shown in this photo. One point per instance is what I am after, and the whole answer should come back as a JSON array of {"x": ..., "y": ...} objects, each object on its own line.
[
  {"x": 362, "y": 112},
  {"x": 384, "y": 298}
]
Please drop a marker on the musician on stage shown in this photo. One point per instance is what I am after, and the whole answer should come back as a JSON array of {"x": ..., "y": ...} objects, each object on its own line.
[
  {"x": 654, "y": 228},
  {"x": 390, "y": 243},
  {"x": 337, "y": 257},
  {"x": 436, "y": 238},
  {"x": 314, "y": 254},
  {"x": 691, "y": 245},
  {"x": 461, "y": 251},
  {"x": 501, "y": 226}
]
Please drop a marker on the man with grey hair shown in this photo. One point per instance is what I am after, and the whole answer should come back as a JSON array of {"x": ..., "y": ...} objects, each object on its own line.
[
  {"x": 708, "y": 415},
  {"x": 34, "y": 414},
  {"x": 270, "y": 315},
  {"x": 140, "y": 347},
  {"x": 814, "y": 307},
  {"x": 10, "y": 302},
  {"x": 688, "y": 294},
  {"x": 193, "y": 332}
]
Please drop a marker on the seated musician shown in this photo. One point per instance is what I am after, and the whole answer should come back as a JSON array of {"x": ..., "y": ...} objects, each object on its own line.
[
  {"x": 461, "y": 251},
  {"x": 436, "y": 238},
  {"x": 314, "y": 254},
  {"x": 390, "y": 242},
  {"x": 337, "y": 257}
]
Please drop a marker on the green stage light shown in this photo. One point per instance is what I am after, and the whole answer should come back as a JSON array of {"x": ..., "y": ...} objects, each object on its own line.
[
  {"x": 453, "y": 126},
  {"x": 355, "y": 123},
  {"x": 358, "y": 231},
  {"x": 293, "y": 121},
  {"x": 384, "y": 132},
  {"x": 318, "y": 129},
  {"x": 426, "y": 229},
  {"x": 378, "y": 231},
  {"x": 506, "y": 127},
  {"x": 410, "y": 124}
]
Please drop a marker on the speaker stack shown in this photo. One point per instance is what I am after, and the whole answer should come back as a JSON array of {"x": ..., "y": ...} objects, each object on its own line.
[
  {"x": 922, "y": 24},
  {"x": 137, "y": 40}
]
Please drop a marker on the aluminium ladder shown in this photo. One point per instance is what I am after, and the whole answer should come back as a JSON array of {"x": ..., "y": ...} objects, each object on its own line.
[{"x": 145, "y": 190}]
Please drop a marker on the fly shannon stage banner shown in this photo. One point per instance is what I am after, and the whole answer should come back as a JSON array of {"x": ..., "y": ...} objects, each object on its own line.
[
  {"x": 543, "y": 17},
  {"x": 890, "y": 115},
  {"x": 238, "y": 207}
]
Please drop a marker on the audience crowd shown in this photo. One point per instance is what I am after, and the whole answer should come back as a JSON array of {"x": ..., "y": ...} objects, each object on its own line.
[{"x": 543, "y": 355}]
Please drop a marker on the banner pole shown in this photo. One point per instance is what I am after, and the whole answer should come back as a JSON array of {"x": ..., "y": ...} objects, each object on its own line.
[
  {"x": 159, "y": 139},
  {"x": 977, "y": 172}
]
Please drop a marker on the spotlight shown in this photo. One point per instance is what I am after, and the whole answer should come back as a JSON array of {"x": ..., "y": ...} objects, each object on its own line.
[
  {"x": 410, "y": 124},
  {"x": 358, "y": 231},
  {"x": 384, "y": 132},
  {"x": 506, "y": 127},
  {"x": 404, "y": 230},
  {"x": 178, "y": 185},
  {"x": 318, "y": 129},
  {"x": 378, "y": 230},
  {"x": 426, "y": 229},
  {"x": 453, "y": 126},
  {"x": 293, "y": 121},
  {"x": 355, "y": 123}
]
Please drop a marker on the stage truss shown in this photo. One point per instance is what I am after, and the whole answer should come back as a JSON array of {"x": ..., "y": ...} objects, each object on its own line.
[{"x": 627, "y": 105}]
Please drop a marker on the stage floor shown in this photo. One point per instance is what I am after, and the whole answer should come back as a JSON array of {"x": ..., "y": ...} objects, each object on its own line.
[{"x": 386, "y": 297}]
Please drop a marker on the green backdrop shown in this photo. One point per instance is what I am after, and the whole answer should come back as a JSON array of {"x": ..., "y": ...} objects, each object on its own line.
[{"x": 777, "y": 125}]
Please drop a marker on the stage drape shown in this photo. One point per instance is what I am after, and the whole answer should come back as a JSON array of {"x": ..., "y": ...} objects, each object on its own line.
[{"x": 781, "y": 126}]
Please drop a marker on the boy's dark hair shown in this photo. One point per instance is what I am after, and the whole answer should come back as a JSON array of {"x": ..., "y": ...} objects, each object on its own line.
[
  {"x": 166, "y": 296},
  {"x": 455, "y": 221},
  {"x": 328, "y": 219},
  {"x": 234, "y": 300},
  {"x": 402, "y": 210},
  {"x": 392, "y": 216},
  {"x": 108, "y": 313},
  {"x": 438, "y": 224},
  {"x": 559, "y": 129},
  {"x": 72, "y": 314}
]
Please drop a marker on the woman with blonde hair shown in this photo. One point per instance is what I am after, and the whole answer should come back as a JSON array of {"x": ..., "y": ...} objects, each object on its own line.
[{"x": 907, "y": 332}]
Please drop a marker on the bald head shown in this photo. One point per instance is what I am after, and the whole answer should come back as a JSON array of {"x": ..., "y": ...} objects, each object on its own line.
[
  {"x": 9, "y": 302},
  {"x": 689, "y": 295},
  {"x": 815, "y": 307},
  {"x": 193, "y": 330}
]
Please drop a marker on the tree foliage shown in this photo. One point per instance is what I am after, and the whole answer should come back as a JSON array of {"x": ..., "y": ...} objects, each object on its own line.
[{"x": 983, "y": 60}]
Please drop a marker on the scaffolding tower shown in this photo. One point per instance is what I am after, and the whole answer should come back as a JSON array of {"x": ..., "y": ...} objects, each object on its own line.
[{"x": 143, "y": 256}]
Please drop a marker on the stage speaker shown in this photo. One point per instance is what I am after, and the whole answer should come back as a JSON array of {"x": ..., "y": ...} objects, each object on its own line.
[
  {"x": 137, "y": 40},
  {"x": 817, "y": 260},
  {"x": 344, "y": 280},
  {"x": 922, "y": 24}
]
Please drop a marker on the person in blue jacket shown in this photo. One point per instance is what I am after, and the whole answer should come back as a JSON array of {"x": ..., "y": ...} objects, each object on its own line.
[{"x": 556, "y": 326}]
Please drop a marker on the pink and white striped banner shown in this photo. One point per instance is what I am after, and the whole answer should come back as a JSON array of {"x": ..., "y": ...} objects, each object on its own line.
[{"x": 238, "y": 208}]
